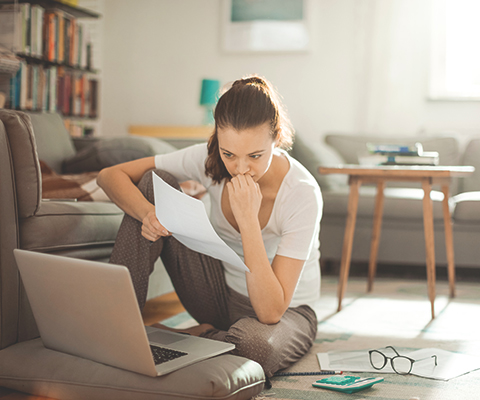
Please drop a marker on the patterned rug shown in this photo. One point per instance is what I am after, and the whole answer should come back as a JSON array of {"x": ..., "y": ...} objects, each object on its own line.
[{"x": 396, "y": 313}]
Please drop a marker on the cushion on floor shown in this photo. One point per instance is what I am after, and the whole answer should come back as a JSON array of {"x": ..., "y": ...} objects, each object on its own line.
[{"x": 31, "y": 368}]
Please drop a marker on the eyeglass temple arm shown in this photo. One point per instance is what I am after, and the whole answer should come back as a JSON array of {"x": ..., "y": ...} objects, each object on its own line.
[
  {"x": 393, "y": 348},
  {"x": 434, "y": 356}
]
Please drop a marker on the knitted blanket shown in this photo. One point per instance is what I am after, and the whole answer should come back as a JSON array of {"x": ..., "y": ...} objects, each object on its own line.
[{"x": 82, "y": 187}]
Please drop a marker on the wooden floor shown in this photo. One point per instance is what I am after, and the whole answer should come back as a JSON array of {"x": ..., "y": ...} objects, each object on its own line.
[{"x": 157, "y": 309}]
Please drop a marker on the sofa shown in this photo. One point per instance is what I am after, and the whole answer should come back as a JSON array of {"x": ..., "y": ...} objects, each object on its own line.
[
  {"x": 83, "y": 229},
  {"x": 402, "y": 235}
]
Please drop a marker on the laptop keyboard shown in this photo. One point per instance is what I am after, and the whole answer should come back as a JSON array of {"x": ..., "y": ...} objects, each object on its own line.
[{"x": 161, "y": 354}]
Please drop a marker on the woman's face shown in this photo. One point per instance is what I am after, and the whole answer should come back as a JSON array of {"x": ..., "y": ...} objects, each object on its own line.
[{"x": 248, "y": 151}]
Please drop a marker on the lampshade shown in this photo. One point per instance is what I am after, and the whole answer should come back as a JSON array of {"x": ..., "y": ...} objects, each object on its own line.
[{"x": 210, "y": 88}]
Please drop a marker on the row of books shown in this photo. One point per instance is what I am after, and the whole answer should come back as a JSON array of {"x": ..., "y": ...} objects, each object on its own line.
[
  {"x": 392, "y": 154},
  {"x": 49, "y": 34},
  {"x": 53, "y": 89}
]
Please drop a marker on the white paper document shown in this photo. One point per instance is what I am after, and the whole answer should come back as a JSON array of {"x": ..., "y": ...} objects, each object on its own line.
[
  {"x": 449, "y": 364},
  {"x": 186, "y": 218}
]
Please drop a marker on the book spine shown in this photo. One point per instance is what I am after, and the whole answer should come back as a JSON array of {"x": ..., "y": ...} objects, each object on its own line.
[
  {"x": 26, "y": 31},
  {"x": 67, "y": 39},
  {"x": 51, "y": 37},
  {"x": 79, "y": 47},
  {"x": 13, "y": 90},
  {"x": 33, "y": 30},
  {"x": 53, "y": 87},
  {"x": 61, "y": 37},
  {"x": 39, "y": 36},
  {"x": 29, "y": 81},
  {"x": 34, "y": 87},
  {"x": 41, "y": 88},
  {"x": 93, "y": 97},
  {"x": 23, "y": 86}
]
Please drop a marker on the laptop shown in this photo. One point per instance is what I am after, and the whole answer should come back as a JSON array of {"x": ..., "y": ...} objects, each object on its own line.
[{"x": 89, "y": 309}]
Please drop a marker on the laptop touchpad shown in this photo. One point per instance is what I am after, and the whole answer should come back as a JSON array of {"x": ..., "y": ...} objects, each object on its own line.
[{"x": 165, "y": 337}]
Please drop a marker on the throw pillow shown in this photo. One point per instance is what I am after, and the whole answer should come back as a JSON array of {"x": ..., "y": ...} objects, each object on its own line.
[
  {"x": 314, "y": 155},
  {"x": 78, "y": 187},
  {"x": 107, "y": 152}
]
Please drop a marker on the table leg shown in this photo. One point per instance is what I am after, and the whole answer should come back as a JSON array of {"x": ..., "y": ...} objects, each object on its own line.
[
  {"x": 449, "y": 240},
  {"x": 377, "y": 226},
  {"x": 355, "y": 184},
  {"x": 429, "y": 241}
]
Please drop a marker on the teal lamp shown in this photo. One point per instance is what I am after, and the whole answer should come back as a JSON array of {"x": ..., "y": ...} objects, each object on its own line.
[{"x": 208, "y": 99}]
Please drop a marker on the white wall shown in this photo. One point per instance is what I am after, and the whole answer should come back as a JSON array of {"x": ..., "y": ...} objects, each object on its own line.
[{"x": 367, "y": 70}]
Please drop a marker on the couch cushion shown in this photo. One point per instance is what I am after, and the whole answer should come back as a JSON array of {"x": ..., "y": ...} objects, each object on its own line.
[
  {"x": 471, "y": 157},
  {"x": 400, "y": 203},
  {"x": 314, "y": 155},
  {"x": 54, "y": 143},
  {"x": 107, "y": 152},
  {"x": 467, "y": 207},
  {"x": 31, "y": 368},
  {"x": 61, "y": 225}
]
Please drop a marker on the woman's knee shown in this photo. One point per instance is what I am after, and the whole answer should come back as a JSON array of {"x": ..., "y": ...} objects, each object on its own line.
[
  {"x": 276, "y": 346},
  {"x": 252, "y": 340},
  {"x": 146, "y": 183}
]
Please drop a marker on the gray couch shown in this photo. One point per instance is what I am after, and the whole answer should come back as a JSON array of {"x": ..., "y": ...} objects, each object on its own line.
[
  {"x": 84, "y": 230},
  {"x": 402, "y": 236}
]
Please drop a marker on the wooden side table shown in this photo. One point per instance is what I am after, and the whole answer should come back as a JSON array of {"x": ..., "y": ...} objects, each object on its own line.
[{"x": 426, "y": 175}]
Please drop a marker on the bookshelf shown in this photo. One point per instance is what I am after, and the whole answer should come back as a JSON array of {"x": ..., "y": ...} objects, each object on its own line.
[
  {"x": 67, "y": 6},
  {"x": 55, "y": 64}
]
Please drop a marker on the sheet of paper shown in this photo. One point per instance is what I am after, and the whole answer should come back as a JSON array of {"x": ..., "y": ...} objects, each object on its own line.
[
  {"x": 187, "y": 220},
  {"x": 449, "y": 364}
]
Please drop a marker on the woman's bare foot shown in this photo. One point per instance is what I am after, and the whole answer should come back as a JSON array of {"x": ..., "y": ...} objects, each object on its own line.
[{"x": 196, "y": 330}]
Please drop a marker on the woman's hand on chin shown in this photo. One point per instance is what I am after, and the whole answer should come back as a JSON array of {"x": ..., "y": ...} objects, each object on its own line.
[{"x": 245, "y": 198}]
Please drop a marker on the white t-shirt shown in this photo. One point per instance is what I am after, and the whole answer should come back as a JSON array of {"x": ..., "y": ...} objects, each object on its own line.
[{"x": 292, "y": 230}]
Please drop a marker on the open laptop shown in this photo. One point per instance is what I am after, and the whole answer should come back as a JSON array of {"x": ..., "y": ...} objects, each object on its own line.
[{"x": 89, "y": 309}]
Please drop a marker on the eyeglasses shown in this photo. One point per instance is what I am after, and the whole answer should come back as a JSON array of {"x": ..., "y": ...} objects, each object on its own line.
[{"x": 401, "y": 364}]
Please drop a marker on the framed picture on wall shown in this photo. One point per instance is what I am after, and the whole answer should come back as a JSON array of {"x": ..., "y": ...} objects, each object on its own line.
[{"x": 265, "y": 26}]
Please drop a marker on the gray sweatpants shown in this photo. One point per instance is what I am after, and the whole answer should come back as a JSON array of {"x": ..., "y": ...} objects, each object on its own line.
[{"x": 199, "y": 282}]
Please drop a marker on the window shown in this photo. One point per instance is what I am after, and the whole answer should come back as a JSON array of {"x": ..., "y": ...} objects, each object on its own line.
[{"x": 455, "y": 63}]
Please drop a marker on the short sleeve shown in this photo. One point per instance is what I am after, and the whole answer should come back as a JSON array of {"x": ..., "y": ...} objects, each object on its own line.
[
  {"x": 186, "y": 164},
  {"x": 299, "y": 219}
]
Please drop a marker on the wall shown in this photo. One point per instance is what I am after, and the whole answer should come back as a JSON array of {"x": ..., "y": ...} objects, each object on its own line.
[
  {"x": 157, "y": 52},
  {"x": 367, "y": 70}
]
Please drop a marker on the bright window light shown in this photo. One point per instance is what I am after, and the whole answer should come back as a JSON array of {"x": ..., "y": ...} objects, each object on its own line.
[{"x": 455, "y": 66}]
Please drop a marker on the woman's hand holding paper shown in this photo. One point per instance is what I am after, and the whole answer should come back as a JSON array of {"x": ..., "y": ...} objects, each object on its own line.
[{"x": 152, "y": 229}]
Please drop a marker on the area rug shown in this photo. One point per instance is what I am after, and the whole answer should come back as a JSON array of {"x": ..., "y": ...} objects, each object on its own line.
[{"x": 396, "y": 313}]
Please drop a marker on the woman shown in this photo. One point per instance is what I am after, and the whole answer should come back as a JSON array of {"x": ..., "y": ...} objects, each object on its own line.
[{"x": 265, "y": 206}]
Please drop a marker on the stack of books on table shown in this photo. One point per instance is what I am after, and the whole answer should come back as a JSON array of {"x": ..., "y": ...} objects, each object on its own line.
[{"x": 393, "y": 154}]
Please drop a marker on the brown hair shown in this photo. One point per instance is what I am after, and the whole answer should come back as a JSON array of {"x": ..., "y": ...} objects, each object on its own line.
[{"x": 250, "y": 102}]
